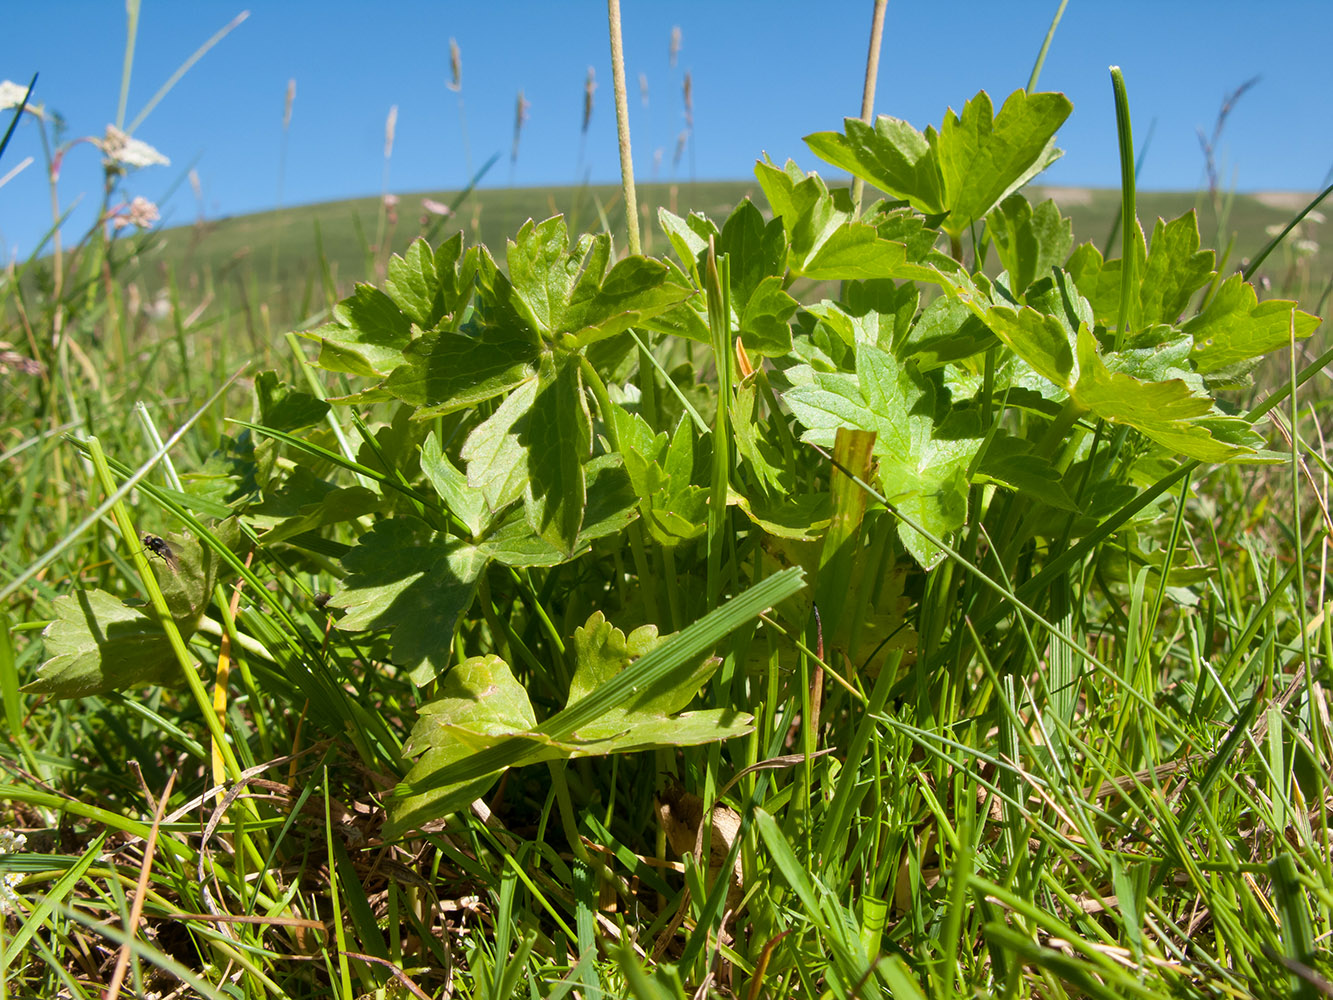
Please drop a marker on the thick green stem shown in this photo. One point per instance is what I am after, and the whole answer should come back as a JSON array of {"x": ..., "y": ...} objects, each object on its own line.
[{"x": 1128, "y": 212}]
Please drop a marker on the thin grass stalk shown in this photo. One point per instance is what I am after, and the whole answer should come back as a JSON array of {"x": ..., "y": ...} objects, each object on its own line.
[
  {"x": 456, "y": 85},
  {"x": 339, "y": 930},
  {"x": 622, "y": 127},
  {"x": 113, "y": 497},
  {"x": 159, "y": 603},
  {"x": 1045, "y": 47},
  {"x": 719, "y": 322},
  {"x": 282, "y": 175},
  {"x": 181, "y": 70},
  {"x": 868, "y": 89},
  {"x": 1248, "y": 271},
  {"x": 127, "y": 63}
]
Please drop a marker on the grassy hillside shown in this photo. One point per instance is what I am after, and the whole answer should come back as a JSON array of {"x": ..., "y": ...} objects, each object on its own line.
[
  {"x": 283, "y": 248},
  {"x": 275, "y": 255}
]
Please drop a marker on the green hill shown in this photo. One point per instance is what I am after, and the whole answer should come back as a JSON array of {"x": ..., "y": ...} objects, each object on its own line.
[{"x": 274, "y": 257}]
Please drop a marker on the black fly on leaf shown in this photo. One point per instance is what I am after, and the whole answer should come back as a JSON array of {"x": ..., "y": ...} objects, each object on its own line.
[{"x": 159, "y": 546}]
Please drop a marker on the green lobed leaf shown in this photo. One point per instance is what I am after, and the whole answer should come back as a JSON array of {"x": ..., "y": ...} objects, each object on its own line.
[
  {"x": 1165, "y": 354},
  {"x": 611, "y": 506},
  {"x": 765, "y": 321},
  {"x": 497, "y": 462},
  {"x": 984, "y": 157},
  {"x": 891, "y": 155},
  {"x": 480, "y": 704},
  {"x": 478, "y": 699},
  {"x": 974, "y": 162},
  {"x": 762, "y": 455},
  {"x": 802, "y": 518},
  {"x": 409, "y": 580},
  {"x": 97, "y": 643},
  {"x": 283, "y": 408},
  {"x": 557, "y": 436},
  {"x": 412, "y": 283},
  {"x": 1235, "y": 326},
  {"x": 922, "y": 475},
  {"x": 659, "y": 470},
  {"x": 428, "y": 286},
  {"x": 445, "y": 372},
  {"x": 367, "y": 337},
  {"x": 468, "y": 505},
  {"x": 601, "y": 651},
  {"x": 809, "y": 213},
  {"x": 449, "y": 782},
  {"x": 890, "y": 306},
  {"x": 1170, "y": 271},
  {"x": 1039, "y": 339},
  {"x": 688, "y": 236},
  {"x": 1174, "y": 270},
  {"x": 567, "y": 295},
  {"x": 1010, "y": 461},
  {"x": 544, "y": 272},
  {"x": 946, "y": 331},
  {"x": 854, "y": 250},
  {"x": 635, "y": 289},
  {"x": 304, "y": 502},
  {"x": 1029, "y": 242},
  {"x": 757, "y": 249},
  {"x": 685, "y": 320},
  {"x": 1172, "y": 413}
]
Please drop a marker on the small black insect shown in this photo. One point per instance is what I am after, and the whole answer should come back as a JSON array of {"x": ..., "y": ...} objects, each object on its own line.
[{"x": 159, "y": 546}]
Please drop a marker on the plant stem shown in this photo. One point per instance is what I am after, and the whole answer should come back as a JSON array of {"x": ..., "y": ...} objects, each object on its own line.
[
  {"x": 868, "y": 90},
  {"x": 1045, "y": 47},
  {"x": 1129, "y": 241},
  {"x": 622, "y": 126}
]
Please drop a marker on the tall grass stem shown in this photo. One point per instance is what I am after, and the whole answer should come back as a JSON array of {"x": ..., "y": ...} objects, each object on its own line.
[
  {"x": 622, "y": 126},
  {"x": 1045, "y": 47},
  {"x": 868, "y": 90}
]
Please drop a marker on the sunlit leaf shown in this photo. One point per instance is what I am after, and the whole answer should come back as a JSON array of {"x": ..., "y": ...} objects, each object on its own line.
[{"x": 1235, "y": 326}]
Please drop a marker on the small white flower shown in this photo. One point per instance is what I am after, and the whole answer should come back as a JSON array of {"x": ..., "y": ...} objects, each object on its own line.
[
  {"x": 10, "y": 843},
  {"x": 11, "y": 96},
  {"x": 141, "y": 212},
  {"x": 1315, "y": 216},
  {"x": 120, "y": 149},
  {"x": 435, "y": 207}
]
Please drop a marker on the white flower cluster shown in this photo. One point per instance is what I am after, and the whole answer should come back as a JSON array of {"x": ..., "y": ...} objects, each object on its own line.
[
  {"x": 11, "y": 96},
  {"x": 10, "y": 843},
  {"x": 140, "y": 212},
  {"x": 119, "y": 148}
]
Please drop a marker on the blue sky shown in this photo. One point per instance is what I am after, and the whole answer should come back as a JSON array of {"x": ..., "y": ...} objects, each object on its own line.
[{"x": 763, "y": 75}]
